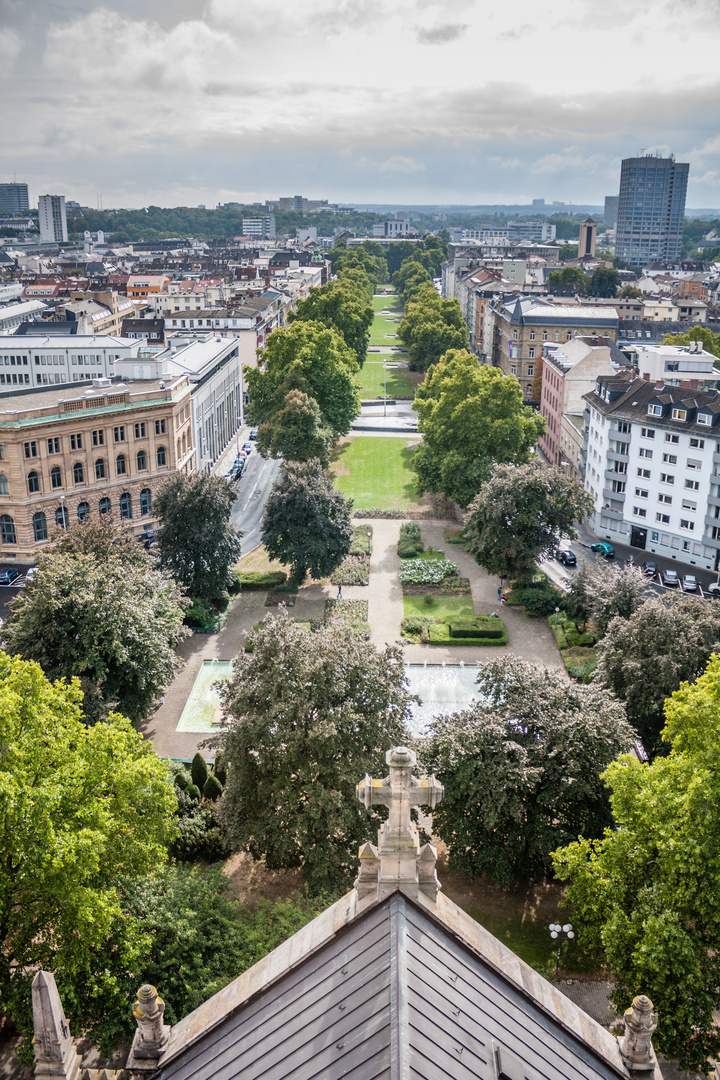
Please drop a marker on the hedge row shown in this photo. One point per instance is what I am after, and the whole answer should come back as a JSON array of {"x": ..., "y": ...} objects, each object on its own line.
[
  {"x": 260, "y": 579},
  {"x": 439, "y": 635}
]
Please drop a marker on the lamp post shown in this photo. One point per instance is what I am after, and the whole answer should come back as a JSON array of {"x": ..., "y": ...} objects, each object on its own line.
[
  {"x": 62, "y": 512},
  {"x": 560, "y": 933},
  {"x": 384, "y": 387},
  {"x": 557, "y": 612}
]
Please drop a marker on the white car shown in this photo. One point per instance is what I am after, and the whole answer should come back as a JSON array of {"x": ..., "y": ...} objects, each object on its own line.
[{"x": 689, "y": 583}]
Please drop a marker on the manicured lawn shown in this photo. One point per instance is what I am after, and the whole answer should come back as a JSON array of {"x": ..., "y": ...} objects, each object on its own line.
[
  {"x": 443, "y": 608},
  {"x": 388, "y": 302},
  {"x": 384, "y": 331},
  {"x": 400, "y": 382},
  {"x": 376, "y": 472}
]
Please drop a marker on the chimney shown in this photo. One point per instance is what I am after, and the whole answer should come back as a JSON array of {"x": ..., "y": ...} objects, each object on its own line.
[
  {"x": 646, "y": 376},
  {"x": 659, "y": 384}
]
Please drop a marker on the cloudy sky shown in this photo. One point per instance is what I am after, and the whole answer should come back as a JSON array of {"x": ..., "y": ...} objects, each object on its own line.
[{"x": 180, "y": 102}]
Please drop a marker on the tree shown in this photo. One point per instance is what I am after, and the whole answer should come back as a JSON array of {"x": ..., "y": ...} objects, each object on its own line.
[
  {"x": 522, "y": 769},
  {"x": 309, "y": 714},
  {"x": 645, "y": 898},
  {"x": 711, "y": 341},
  {"x": 568, "y": 252},
  {"x": 630, "y": 292},
  {"x": 296, "y": 432},
  {"x": 520, "y": 515},
  {"x": 471, "y": 416},
  {"x": 410, "y": 274},
  {"x": 102, "y": 538},
  {"x": 604, "y": 282},
  {"x": 344, "y": 306},
  {"x": 644, "y": 658},
  {"x": 433, "y": 338},
  {"x": 111, "y": 623},
  {"x": 568, "y": 281},
  {"x": 81, "y": 810},
  {"x": 307, "y": 524},
  {"x": 307, "y": 356},
  {"x": 614, "y": 591},
  {"x": 196, "y": 541}
]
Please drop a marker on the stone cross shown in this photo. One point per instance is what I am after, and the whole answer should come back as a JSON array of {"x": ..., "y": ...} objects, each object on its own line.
[
  {"x": 636, "y": 1045},
  {"x": 398, "y": 861},
  {"x": 55, "y": 1055}
]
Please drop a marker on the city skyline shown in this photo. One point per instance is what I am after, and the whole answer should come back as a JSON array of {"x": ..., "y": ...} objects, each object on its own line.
[{"x": 176, "y": 102}]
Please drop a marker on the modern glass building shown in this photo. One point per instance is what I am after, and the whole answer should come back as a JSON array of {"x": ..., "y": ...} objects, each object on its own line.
[
  {"x": 651, "y": 208},
  {"x": 14, "y": 198}
]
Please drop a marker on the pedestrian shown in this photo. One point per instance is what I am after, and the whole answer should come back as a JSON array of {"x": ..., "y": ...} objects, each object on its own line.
[
  {"x": 503, "y": 598},
  {"x": 499, "y": 594},
  {"x": 339, "y": 595}
]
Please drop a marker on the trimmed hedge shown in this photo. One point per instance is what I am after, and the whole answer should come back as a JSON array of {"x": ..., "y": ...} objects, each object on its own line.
[
  {"x": 484, "y": 626},
  {"x": 260, "y": 579},
  {"x": 438, "y": 635}
]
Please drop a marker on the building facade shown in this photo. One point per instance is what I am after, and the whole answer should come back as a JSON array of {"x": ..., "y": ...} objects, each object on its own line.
[
  {"x": 34, "y": 360},
  {"x": 568, "y": 373},
  {"x": 14, "y": 199},
  {"x": 651, "y": 209},
  {"x": 651, "y": 461},
  {"x": 52, "y": 219},
  {"x": 261, "y": 227}
]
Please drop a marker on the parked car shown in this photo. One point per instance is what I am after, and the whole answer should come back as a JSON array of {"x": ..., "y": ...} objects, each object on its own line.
[
  {"x": 30, "y": 573},
  {"x": 247, "y": 447},
  {"x": 8, "y": 576},
  {"x": 606, "y": 550},
  {"x": 713, "y": 589},
  {"x": 649, "y": 569},
  {"x": 253, "y": 434},
  {"x": 566, "y": 557},
  {"x": 670, "y": 579},
  {"x": 689, "y": 583}
]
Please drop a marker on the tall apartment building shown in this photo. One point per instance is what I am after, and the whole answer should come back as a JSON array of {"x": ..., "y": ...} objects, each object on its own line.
[
  {"x": 651, "y": 208},
  {"x": 262, "y": 227},
  {"x": 651, "y": 461},
  {"x": 569, "y": 372},
  {"x": 52, "y": 219},
  {"x": 14, "y": 199},
  {"x": 610, "y": 212},
  {"x": 539, "y": 232}
]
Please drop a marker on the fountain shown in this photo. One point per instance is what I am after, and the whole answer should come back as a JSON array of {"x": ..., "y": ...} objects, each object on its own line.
[{"x": 442, "y": 689}]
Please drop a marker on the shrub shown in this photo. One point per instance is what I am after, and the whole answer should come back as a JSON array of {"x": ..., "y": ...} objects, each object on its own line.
[
  {"x": 454, "y": 536},
  {"x": 427, "y": 571},
  {"x": 410, "y": 530},
  {"x": 220, "y": 769},
  {"x": 260, "y": 579},
  {"x": 413, "y": 624},
  {"x": 199, "y": 770},
  {"x": 212, "y": 788},
  {"x": 408, "y": 549},
  {"x": 182, "y": 780},
  {"x": 362, "y": 540},
  {"x": 353, "y": 570},
  {"x": 490, "y": 628},
  {"x": 200, "y": 836},
  {"x": 580, "y": 663},
  {"x": 429, "y": 600},
  {"x": 438, "y": 634},
  {"x": 539, "y": 599},
  {"x": 200, "y": 614},
  {"x": 193, "y": 792}
]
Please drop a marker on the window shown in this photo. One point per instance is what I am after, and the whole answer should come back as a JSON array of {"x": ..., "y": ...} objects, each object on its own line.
[
  {"x": 623, "y": 426},
  {"x": 531, "y": 352},
  {"x": 2, "y": 453},
  {"x": 531, "y": 371},
  {"x": 7, "y": 529},
  {"x": 688, "y": 505},
  {"x": 40, "y": 526},
  {"x": 665, "y": 498},
  {"x": 664, "y": 519},
  {"x": 140, "y": 431},
  {"x": 644, "y": 452},
  {"x": 119, "y": 433},
  {"x": 161, "y": 456},
  {"x": 544, "y": 335},
  {"x": 654, "y": 537},
  {"x": 125, "y": 506},
  {"x": 654, "y": 410},
  {"x": 670, "y": 458},
  {"x": 141, "y": 461},
  {"x": 692, "y": 485},
  {"x": 159, "y": 427},
  {"x": 704, "y": 418},
  {"x": 532, "y": 335},
  {"x": 83, "y": 511},
  {"x": 53, "y": 446},
  {"x": 641, "y": 493},
  {"x": 679, "y": 414},
  {"x": 693, "y": 464},
  {"x": 648, "y": 433},
  {"x": 62, "y": 518},
  {"x": 99, "y": 438},
  {"x": 4, "y": 489},
  {"x": 618, "y": 486},
  {"x": 30, "y": 449},
  {"x": 100, "y": 469},
  {"x": 697, "y": 444},
  {"x": 33, "y": 483},
  {"x": 120, "y": 465},
  {"x": 672, "y": 438},
  {"x": 145, "y": 502},
  {"x": 686, "y": 524},
  {"x": 76, "y": 442},
  {"x": 622, "y": 448},
  {"x": 645, "y": 473},
  {"x": 78, "y": 473},
  {"x": 104, "y": 506},
  {"x": 639, "y": 511},
  {"x": 56, "y": 477},
  {"x": 513, "y": 369},
  {"x": 667, "y": 478}
]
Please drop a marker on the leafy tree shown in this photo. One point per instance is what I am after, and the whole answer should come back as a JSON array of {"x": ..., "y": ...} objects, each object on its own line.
[
  {"x": 341, "y": 306},
  {"x": 630, "y": 292},
  {"x": 615, "y": 591},
  {"x": 296, "y": 432},
  {"x": 604, "y": 282},
  {"x": 104, "y": 539},
  {"x": 711, "y": 341},
  {"x": 577, "y": 601},
  {"x": 568, "y": 252},
  {"x": 368, "y": 257},
  {"x": 410, "y": 274},
  {"x": 644, "y": 658},
  {"x": 646, "y": 896},
  {"x": 522, "y": 769},
  {"x": 307, "y": 524},
  {"x": 307, "y": 356},
  {"x": 471, "y": 416},
  {"x": 310, "y": 714},
  {"x": 81, "y": 810},
  {"x": 432, "y": 340},
  {"x": 196, "y": 541},
  {"x": 567, "y": 282},
  {"x": 111, "y": 622},
  {"x": 521, "y": 514}
]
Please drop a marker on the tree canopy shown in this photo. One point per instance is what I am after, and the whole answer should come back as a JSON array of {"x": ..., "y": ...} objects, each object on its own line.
[
  {"x": 430, "y": 327},
  {"x": 309, "y": 714},
  {"x": 522, "y": 769},
  {"x": 568, "y": 281},
  {"x": 646, "y": 897},
  {"x": 520, "y": 515},
  {"x": 471, "y": 417},
  {"x": 307, "y": 524},
  {"x": 710, "y": 340},
  {"x": 197, "y": 543},
  {"x": 342, "y": 305},
  {"x": 296, "y": 432}
]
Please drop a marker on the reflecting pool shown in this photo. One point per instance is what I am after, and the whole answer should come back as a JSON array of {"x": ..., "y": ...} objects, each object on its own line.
[{"x": 442, "y": 688}]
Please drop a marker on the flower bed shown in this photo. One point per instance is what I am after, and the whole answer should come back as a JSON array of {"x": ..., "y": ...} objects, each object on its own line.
[
  {"x": 426, "y": 571},
  {"x": 352, "y": 610},
  {"x": 355, "y": 568},
  {"x": 411, "y": 515}
]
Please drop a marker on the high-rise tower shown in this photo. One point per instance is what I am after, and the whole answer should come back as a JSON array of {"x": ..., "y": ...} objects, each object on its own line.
[
  {"x": 651, "y": 208},
  {"x": 52, "y": 219}
]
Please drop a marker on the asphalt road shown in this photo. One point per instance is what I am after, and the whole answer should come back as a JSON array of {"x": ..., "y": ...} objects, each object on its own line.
[
  {"x": 8, "y": 592},
  {"x": 253, "y": 488}
]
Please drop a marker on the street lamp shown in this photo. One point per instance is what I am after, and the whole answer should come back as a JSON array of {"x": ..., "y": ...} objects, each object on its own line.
[
  {"x": 560, "y": 933},
  {"x": 384, "y": 387},
  {"x": 557, "y": 612},
  {"x": 62, "y": 512}
]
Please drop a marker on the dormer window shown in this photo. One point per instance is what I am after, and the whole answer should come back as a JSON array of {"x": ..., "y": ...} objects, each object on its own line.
[
  {"x": 679, "y": 414},
  {"x": 654, "y": 410},
  {"x": 704, "y": 418}
]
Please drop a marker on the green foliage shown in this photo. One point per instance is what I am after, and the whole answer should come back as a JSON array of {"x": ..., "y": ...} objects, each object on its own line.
[
  {"x": 212, "y": 788},
  {"x": 342, "y": 305},
  {"x": 520, "y": 515},
  {"x": 199, "y": 837},
  {"x": 310, "y": 715},
  {"x": 568, "y": 251},
  {"x": 439, "y": 634},
  {"x": 260, "y": 579},
  {"x": 361, "y": 540},
  {"x": 471, "y": 417},
  {"x": 614, "y": 591},
  {"x": 200, "y": 613},
  {"x": 431, "y": 325},
  {"x": 630, "y": 292},
  {"x": 193, "y": 792},
  {"x": 296, "y": 432},
  {"x": 568, "y": 281},
  {"x": 220, "y": 769},
  {"x": 81, "y": 809},
  {"x": 489, "y": 626},
  {"x": 522, "y": 768},
  {"x": 307, "y": 523},
  {"x": 645, "y": 897},
  {"x": 409, "y": 543},
  {"x": 604, "y": 282},
  {"x": 353, "y": 570},
  {"x": 196, "y": 542},
  {"x": 199, "y": 770},
  {"x": 580, "y": 662},
  {"x": 426, "y": 571},
  {"x": 711, "y": 341},
  {"x": 182, "y": 780},
  {"x": 540, "y": 598}
]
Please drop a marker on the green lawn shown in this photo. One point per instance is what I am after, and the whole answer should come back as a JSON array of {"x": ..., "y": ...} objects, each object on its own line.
[
  {"x": 381, "y": 328},
  {"x": 376, "y": 472},
  {"x": 389, "y": 302},
  {"x": 400, "y": 382},
  {"x": 443, "y": 608}
]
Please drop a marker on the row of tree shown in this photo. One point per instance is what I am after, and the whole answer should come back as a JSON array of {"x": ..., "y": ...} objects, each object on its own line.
[
  {"x": 430, "y": 325},
  {"x": 604, "y": 281}
]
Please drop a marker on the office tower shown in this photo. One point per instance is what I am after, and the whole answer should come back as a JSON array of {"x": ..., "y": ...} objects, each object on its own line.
[
  {"x": 14, "y": 199},
  {"x": 588, "y": 235},
  {"x": 53, "y": 222},
  {"x": 651, "y": 208},
  {"x": 610, "y": 215}
]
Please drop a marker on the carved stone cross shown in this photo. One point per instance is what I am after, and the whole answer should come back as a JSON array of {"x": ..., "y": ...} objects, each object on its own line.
[{"x": 398, "y": 860}]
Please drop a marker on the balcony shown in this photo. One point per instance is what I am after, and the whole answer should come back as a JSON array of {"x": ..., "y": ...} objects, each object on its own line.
[
  {"x": 615, "y": 496},
  {"x": 615, "y": 455}
]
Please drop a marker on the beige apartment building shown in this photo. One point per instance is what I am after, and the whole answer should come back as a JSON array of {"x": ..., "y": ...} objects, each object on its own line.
[
  {"x": 76, "y": 451},
  {"x": 568, "y": 373}
]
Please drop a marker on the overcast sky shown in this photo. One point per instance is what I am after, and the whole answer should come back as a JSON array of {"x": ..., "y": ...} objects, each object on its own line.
[{"x": 180, "y": 102}]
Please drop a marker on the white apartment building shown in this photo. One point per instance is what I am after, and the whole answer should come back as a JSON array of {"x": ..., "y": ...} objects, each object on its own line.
[
  {"x": 12, "y": 315},
  {"x": 52, "y": 219},
  {"x": 677, "y": 364},
  {"x": 35, "y": 360},
  {"x": 651, "y": 461}
]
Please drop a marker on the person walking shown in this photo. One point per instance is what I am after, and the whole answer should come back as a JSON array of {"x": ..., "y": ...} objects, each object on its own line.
[
  {"x": 499, "y": 594},
  {"x": 339, "y": 595}
]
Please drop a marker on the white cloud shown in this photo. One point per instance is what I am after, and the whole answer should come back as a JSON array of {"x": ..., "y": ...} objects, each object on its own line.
[
  {"x": 9, "y": 46},
  {"x": 399, "y": 164}
]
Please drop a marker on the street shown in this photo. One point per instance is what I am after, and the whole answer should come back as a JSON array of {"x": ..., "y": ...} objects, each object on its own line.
[{"x": 253, "y": 488}]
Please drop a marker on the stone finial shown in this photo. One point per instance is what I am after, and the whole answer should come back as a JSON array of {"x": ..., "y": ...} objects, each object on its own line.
[
  {"x": 152, "y": 1033},
  {"x": 55, "y": 1053},
  {"x": 398, "y": 859},
  {"x": 636, "y": 1044}
]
